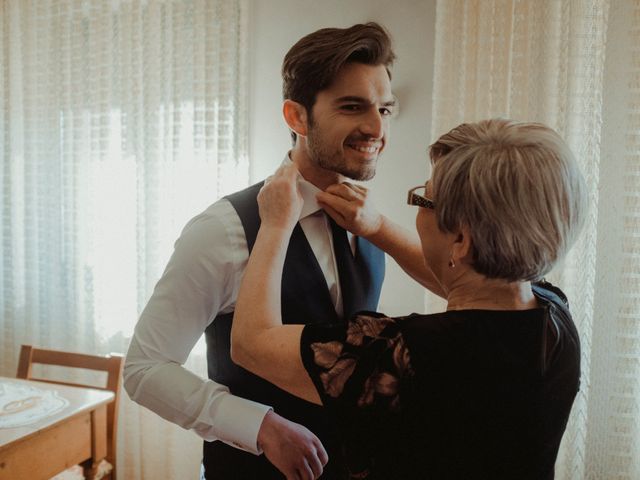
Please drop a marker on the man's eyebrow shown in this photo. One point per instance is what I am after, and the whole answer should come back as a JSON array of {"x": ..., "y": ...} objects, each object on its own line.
[
  {"x": 351, "y": 98},
  {"x": 356, "y": 99}
]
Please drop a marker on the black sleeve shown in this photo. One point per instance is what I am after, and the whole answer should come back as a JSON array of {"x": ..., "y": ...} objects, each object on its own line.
[{"x": 357, "y": 369}]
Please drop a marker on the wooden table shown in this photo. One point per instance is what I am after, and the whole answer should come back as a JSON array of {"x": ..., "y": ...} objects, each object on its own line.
[{"x": 76, "y": 434}]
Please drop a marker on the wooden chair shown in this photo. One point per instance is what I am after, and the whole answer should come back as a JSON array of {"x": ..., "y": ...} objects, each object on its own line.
[{"x": 111, "y": 364}]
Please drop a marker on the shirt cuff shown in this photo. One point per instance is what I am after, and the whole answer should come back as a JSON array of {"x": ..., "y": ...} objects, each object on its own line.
[{"x": 238, "y": 422}]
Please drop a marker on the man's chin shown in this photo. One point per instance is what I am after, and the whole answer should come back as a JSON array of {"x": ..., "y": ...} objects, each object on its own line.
[
  {"x": 360, "y": 175},
  {"x": 365, "y": 171}
]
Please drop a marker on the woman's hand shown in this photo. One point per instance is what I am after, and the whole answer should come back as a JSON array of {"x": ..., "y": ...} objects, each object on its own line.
[
  {"x": 351, "y": 208},
  {"x": 259, "y": 341},
  {"x": 280, "y": 200}
]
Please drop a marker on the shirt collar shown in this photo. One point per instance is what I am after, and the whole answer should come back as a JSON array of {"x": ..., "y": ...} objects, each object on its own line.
[{"x": 308, "y": 191}]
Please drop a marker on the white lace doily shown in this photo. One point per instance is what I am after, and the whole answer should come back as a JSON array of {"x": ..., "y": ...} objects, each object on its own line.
[{"x": 22, "y": 404}]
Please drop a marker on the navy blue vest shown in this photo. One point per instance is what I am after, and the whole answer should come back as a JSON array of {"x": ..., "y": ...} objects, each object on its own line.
[{"x": 305, "y": 299}]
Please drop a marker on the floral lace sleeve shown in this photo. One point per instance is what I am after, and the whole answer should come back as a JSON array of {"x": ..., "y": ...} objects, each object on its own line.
[{"x": 359, "y": 370}]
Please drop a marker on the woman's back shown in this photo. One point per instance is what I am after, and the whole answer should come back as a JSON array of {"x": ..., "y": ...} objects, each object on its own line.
[{"x": 461, "y": 394}]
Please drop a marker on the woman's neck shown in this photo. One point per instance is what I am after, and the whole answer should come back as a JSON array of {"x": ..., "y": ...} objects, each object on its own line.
[{"x": 480, "y": 293}]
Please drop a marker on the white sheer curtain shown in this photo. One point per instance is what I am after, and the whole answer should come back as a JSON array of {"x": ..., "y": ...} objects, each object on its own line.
[
  {"x": 119, "y": 120},
  {"x": 574, "y": 65}
]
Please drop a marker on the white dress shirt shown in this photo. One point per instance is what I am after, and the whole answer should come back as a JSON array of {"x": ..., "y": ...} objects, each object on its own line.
[{"x": 200, "y": 281}]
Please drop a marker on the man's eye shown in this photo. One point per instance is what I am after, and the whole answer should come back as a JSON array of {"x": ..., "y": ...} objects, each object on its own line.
[
  {"x": 351, "y": 107},
  {"x": 386, "y": 111}
]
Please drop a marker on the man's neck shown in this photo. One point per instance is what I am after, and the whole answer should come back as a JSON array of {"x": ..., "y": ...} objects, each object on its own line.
[{"x": 313, "y": 174}]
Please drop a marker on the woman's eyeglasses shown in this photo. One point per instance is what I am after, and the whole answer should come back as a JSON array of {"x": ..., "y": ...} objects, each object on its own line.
[{"x": 417, "y": 197}]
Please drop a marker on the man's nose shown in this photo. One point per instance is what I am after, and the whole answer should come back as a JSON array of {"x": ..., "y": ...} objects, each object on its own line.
[{"x": 373, "y": 124}]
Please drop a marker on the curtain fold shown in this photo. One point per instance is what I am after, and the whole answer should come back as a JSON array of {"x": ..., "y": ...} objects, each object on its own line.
[
  {"x": 119, "y": 121},
  {"x": 573, "y": 65}
]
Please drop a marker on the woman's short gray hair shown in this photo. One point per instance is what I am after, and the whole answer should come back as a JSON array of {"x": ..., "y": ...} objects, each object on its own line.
[{"x": 518, "y": 189}]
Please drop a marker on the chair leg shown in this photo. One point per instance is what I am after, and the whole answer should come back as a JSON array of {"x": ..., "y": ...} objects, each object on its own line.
[
  {"x": 98, "y": 471},
  {"x": 90, "y": 470}
]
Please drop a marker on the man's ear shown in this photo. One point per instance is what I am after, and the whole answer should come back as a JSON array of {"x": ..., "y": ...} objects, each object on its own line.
[{"x": 296, "y": 117}]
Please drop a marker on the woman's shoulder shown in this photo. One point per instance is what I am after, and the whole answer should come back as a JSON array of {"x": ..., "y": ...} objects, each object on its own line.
[
  {"x": 563, "y": 338},
  {"x": 557, "y": 306},
  {"x": 361, "y": 362},
  {"x": 366, "y": 326},
  {"x": 547, "y": 292}
]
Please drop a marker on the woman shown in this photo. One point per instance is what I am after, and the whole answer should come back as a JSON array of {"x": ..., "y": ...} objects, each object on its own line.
[{"x": 481, "y": 391}]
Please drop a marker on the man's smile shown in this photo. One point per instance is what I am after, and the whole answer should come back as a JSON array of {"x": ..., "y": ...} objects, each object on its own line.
[{"x": 365, "y": 147}]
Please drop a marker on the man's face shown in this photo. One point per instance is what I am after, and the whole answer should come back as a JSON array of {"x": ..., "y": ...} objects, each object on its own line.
[{"x": 349, "y": 123}]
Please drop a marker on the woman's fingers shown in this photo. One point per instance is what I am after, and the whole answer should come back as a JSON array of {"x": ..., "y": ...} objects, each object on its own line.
[
  {"x": 346, "y": 190},
  {"x": 279, "y": 199},
  {"x": 334, "y": 214},
  {"x": 349, "y": 205},
  {"x": 337, "y": 203}
]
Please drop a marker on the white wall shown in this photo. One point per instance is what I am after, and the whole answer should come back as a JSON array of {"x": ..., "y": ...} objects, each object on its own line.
[{"x": 276, "y": 26}]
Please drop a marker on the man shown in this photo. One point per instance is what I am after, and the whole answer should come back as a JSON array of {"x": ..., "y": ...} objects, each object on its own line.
[{"x": 337, "y": 103}]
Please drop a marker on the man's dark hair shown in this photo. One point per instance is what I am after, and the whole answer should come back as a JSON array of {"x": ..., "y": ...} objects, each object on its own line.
[{"x": 313, "y": 62}]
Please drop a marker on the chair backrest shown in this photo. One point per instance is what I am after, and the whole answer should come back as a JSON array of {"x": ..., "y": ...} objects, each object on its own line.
[{"x": 112, "y": 364}]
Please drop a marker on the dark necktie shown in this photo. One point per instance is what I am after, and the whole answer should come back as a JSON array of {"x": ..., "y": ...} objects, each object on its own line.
[{"x": 354, "y": 276}]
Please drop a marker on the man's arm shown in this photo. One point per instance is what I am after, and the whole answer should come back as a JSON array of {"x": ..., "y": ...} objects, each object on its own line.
[
  {"x": 351, "y": 208},
  {"x": 201, "y": 279}
]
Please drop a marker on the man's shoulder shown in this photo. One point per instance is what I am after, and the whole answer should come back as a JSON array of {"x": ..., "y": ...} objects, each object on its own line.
[
  {"x": 224, "y": 206},
  {"x": 248, "y": 194},
  {"x": 219, "y": 213},
  {"x": 224, "y": 218}
]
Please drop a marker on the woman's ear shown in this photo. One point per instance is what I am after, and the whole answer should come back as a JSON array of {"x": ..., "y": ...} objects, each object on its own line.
[
  {"x": 296, "y": 117},
  {"x": 462, "y": 246}
]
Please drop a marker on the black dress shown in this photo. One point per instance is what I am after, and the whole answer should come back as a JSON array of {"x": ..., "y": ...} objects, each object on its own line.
[{"x": 473, "y": 394}]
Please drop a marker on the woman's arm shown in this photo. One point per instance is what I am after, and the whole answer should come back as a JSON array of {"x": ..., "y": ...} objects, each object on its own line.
[
  {"x": 259, "y": 341},
  {"x": 351, "y": 208}
]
